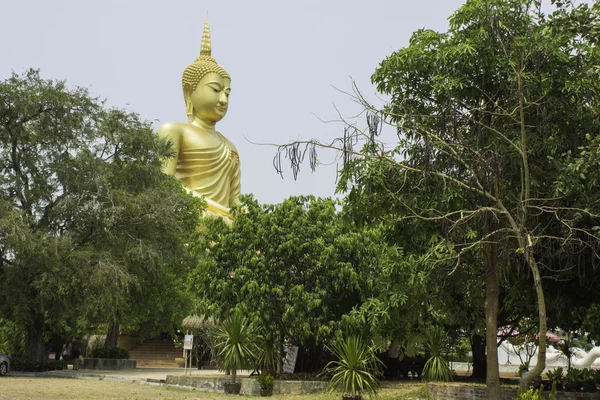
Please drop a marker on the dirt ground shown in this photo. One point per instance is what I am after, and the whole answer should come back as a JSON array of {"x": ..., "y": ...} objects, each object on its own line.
[{"x": 86, "y": 389}]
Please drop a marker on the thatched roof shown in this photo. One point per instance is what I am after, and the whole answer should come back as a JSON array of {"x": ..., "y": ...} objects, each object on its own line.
[{"x": 196, "y": 322}]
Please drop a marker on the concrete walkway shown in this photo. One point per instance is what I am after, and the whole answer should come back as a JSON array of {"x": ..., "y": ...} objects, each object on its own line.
[{"x": 142, "y": 375}]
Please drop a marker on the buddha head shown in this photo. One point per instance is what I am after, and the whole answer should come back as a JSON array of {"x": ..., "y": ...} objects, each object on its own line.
[{"x": 206, "y": 85}]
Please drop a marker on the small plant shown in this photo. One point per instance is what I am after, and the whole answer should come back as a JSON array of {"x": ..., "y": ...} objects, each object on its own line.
[
  {"x": 436, "y": 368},
  {"x": 267, "y": 383},
  {"x": 552, "y": 395},
  {"x": 596, "y": 376},
  {"x": 523, "y": 368},
  {"x": 587, "y": 380},
  {"x": 235, "y": 350},
  {"x": 556, "y": 377},
  {"x": 268, "y": 357},
  {"x": 356, "y": 370},
  {"x": 530, "y": 395},
  {"x": 573, "y": 380}
]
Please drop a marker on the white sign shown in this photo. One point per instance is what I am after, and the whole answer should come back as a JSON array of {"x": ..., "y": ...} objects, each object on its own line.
[
  {"x": 188, "y": 342},
  {"x": 290, "y": 359}
]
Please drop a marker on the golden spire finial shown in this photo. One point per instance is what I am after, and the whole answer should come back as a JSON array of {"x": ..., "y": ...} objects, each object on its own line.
[{"x": 205, "y": 48}]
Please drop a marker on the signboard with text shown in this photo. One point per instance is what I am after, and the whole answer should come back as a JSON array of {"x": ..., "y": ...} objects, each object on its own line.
[
  {"x": 291, "y": 355},
  {"x": 188, "y": 342}
]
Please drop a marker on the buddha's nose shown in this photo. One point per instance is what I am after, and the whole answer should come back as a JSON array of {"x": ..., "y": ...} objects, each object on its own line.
[{"x": 223, "y": 99}]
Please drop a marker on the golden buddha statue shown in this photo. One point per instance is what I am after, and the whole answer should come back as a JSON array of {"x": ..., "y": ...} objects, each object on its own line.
[{"x": 205, "y": 161}]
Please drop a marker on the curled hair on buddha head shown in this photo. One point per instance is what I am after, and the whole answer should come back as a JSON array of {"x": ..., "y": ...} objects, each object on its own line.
[{"x": 201, "y": 66}]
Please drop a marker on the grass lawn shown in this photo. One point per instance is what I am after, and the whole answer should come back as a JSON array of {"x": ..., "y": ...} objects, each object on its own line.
[{"x": 56, "y": 388}]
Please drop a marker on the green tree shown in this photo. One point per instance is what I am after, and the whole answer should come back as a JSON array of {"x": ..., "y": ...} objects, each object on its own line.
[
  {"x": 492, "y": 120},
  {"x": 89, "y": 226},
  {"x": 295, "y": 267}
]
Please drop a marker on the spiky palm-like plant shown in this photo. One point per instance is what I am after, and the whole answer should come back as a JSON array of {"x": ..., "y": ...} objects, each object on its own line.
[
  {"x": 357, "y": 368},
  {"x": 234, "y": 342},
  {"x": 268, "y": 353},
  {"x": 436, "y": 368}
]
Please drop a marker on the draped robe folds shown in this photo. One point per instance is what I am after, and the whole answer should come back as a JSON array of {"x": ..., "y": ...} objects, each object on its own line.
[{"x": 210, "y": 168}]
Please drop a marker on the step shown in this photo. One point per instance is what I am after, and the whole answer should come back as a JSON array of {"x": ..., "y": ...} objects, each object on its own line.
[
  {"x": 157, "y": 365},
  {"x": 145, "y": 351},
  {"x": 156, "y": 357},
  {"x": 156, "y": 353}
]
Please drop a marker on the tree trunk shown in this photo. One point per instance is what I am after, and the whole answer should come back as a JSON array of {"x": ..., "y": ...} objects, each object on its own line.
[
  {"x": 112, "y": 336},
  {"x": 492, "y": 282},
  {"x": 478, "y": 350},
  {"x": 34, "y": 340},
  {"x": 541, "y": 358}
]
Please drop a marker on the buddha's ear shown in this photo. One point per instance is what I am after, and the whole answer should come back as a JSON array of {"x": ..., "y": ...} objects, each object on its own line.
[{"x": 189, "y": 106}]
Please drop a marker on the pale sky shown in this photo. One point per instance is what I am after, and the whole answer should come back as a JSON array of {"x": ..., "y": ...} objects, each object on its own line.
[{"x": 285, "y": 58}]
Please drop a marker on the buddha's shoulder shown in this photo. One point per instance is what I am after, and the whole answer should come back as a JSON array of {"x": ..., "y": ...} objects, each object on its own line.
[
  {"x": 171, "y": 129},
  {"x": 229, "y": 142}
]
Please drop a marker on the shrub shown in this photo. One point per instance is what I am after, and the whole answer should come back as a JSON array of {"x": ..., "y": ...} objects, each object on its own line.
[
  {"x": 523, "y": 368},
  {"x": 436, "y": 368},
  {"x": 530, "y": 395},
  {"x": 40, "y": 366},
  {"x": 266, "y": 382},
  {"x": 233, "y": 338},
  {"x": 556, "y": 375},
  {"x": 357, "y": 368},
  {"x": 110, "y": 352}
]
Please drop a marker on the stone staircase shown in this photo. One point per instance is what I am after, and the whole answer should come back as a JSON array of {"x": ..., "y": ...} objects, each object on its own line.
[{"x": 156, "y": 353}]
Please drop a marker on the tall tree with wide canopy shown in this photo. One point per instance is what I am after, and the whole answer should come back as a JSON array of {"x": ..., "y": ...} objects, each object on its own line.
[
  {"x": 493, "y": 121},
  {"x": 89, "y": 226},
  {"x": 296, "y": 267}
]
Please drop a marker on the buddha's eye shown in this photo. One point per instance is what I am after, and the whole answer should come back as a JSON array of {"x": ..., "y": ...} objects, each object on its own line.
[{"x": 216, "y": 90}]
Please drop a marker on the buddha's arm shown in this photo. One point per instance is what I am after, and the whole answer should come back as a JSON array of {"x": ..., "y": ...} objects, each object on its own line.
[
  {"x": 170, "y": 132},
  {"x": 212, "y": 205},
  {"x": 217, "y": 208},
  {"x": 235, "y": 186},
  {"x": 234, "y": 197}
]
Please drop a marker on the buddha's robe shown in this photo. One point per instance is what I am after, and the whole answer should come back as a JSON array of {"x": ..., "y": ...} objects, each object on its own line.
[{"x": 211, "y": 169}]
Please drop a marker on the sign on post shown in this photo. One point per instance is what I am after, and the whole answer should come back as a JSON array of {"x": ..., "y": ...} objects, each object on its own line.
[
  {"x": 188, "y": 342},
  {"x": 291, "y": 354}
]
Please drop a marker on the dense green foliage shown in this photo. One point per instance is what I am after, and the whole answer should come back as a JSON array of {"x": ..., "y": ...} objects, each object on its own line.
[
  {"x": 109, "y": 352},
  {"x": 90, "y": 229},
  {"x": 493, "y": 171},
  {"x": 294, "y": 268},
  {"x": 495, "y": 119}
]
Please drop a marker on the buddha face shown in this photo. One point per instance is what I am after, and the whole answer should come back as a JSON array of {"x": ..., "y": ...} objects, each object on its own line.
[{"x": 210, "y": 98}]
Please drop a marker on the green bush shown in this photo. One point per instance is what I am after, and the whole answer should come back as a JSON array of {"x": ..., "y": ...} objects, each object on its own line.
[
  {"x": 41, "y": 366},
  {"x": 111, "y": 352},
  {"x": 233, "y": 337},
  {"x": 266, "y": 382},
  {"x": 556, "y": 375},
  {"x": 523, "y": 368},
  {"x": 436, "y": 368},
  {"x": 356, "y": 368},
  {"x": 530, "y": 395}
]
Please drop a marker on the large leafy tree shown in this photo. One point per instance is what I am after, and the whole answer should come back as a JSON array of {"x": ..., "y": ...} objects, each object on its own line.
[
  {"x": 487, "y": 110},
  {"x": 296, "y": 267},
  {"x": 493, "y": 121},
  {"x": 89, "y": 226}
]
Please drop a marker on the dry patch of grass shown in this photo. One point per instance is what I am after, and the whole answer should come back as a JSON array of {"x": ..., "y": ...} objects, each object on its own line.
[{"x": 54, "y": 388}]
